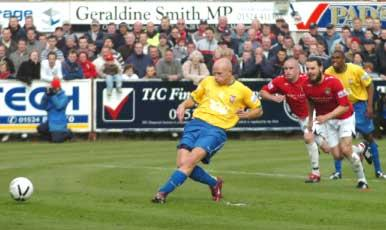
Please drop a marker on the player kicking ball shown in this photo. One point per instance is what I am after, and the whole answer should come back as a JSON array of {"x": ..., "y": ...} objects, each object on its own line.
[
  {"x": 221, "y": 101},
  {"x": 335, "y": 115}
]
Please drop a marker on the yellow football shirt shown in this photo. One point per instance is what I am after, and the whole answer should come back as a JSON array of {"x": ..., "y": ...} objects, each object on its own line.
[
  {"x": 217, "y": 105},
  {"x": 355, "y": 80}
]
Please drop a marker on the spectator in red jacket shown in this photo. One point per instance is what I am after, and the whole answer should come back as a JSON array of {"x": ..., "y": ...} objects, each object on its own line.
[{"x": 88, "y": 67}]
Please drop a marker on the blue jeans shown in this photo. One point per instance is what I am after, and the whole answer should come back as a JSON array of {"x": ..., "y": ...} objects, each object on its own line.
[{"x": 110, "y": 82}]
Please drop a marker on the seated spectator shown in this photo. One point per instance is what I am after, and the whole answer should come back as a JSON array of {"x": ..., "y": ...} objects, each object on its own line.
[
  {"x": 369, "y": 68},
  {"x": 194, "y": 68},
  {"x": 207, "y": 46},
  {"x": 55, "y": 102},
  {"x": 128, "y": 73},
  {"x": 355, "y": 47},
  {"x": 189, "y": 50},
  {"x": 112, "y": 73},
  {"x": 163, "y": 44},
  {"x": 247, "y": 66},
  {"x": 357, "y": 59},
  {"x": 150, "y": 72},
  {"x": 128, "y": 48},
  {"x": 4, "y": 58},
  {"x": 264, "y": 67},
  {"x": 30, "y": 69},
  {"x": 51, "y": 68},
  {"x": 180, "y": 50},
  {"x": 70, "y": 67},
  {"x": 168, "y": 68},
  {"x": 88, "y": 68},
  {"x": 154, "y": 54},
  {"x": 200, "y": 33},
  {"x": 5, "y": 73}
]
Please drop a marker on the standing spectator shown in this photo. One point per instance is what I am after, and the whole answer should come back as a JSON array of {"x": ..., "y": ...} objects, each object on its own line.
[
  {"x": 112, "y": 72},
  {"x": 194, "y": 68},
  {"x": 143, "y": 41},
  {"x": 67, "y": 30},
  {"x": 154, "y": 54},
  {"x": 128, "y": 48},
  {"x": 4, "y": 58},
  {"x": 120, "y": 35},
  {"x": 83, "y": 44},
  {"x": 200, "y": 33},
  {"x": 168, "y": 68},
  {"x": 139, "y": 60},
  {"x": 29, "y": 23},
  {"x": 369, "y": 54},
  {"x": 278, "y": 62},
  {"x": 20, "y": 55},
  {"x": 51, "y": 68},
  {"x": 71, "y": 69},
  {"x": 357, "y": 29},
  {"x": 207, "y": 46},
  {"x": 70, "y": 44},
  {"x": 88, "y": 68},
  {"x": 163, "y": 44},
  {"x": 95, "y": 34},
  {"x": 137, "y": 29},
  {"x": 165, "y": 25},
  {"x": 60, "y": 40},
  {"x": 32, "y": 42},
  {"x": 180, "y": 50},
  {"x": 222, "y": 25},
  {"x": 152, "y": 34},
  {"x": 330, "y": 36},
  {"x": 7, "y": 42},
  {"x": 247, "y": 66},
  {"x": 51, "y": 48},
  {"x": 30, "y": 69},
  {"x": 184, "y": 35},
  {"x": 55, "y": 102},
  {"x": 16, "y": 30},
  {"x": 345, "y": 39},
  {"x": 381, "y": 56},
  {"x": 189, "y": 50},
  {"x": 377, "y": 27}
]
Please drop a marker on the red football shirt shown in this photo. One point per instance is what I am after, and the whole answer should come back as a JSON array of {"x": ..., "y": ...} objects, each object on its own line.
[
  {"x": 328, "y": 95},
  {"x": 293, "y": 93}
]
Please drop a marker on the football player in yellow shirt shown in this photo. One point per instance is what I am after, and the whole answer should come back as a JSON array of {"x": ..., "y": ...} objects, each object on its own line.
[
  {"x": 221, "y": 102},
  {"x": 360, "y": 88}
]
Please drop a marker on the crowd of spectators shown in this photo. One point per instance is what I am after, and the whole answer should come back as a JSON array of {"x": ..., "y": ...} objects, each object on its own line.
[{"x": 172, "y": 52}]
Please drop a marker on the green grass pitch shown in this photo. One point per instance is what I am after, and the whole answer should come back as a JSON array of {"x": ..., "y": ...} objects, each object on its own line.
[{"x": 109, "y": 184}]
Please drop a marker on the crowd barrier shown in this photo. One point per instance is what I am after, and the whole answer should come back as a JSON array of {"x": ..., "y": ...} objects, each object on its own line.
[{"x": 142, "y": 106}]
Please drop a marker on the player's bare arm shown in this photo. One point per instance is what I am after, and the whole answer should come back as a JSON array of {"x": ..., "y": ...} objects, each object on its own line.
[
  {"x": 333, "y": 114},
  {"x": 250, "y": 114},
  {"x": 187, "y": 104},
  {"x": 271, "y": 97}
]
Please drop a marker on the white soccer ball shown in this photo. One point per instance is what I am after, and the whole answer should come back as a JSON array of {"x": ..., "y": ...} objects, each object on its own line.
[{"x": 21, "y": 188}]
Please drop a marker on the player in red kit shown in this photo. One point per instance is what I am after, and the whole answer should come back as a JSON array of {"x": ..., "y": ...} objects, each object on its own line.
[
  {"x": 334, "y": 115},
  {"x": 288, "y": 87}
]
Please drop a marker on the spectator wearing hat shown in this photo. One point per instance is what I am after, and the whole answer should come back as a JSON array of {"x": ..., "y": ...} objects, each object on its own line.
[
  {"x": 67, "y": 30},
  {"x": 51, "y": 68},
  {"x": 152, "y": 34},
  {"x": 113, "y": 74},
  {"x": 355, "y": 47},
  {"x": 95, "y": 34},
  {"x": 119, "y": 39},
  {"x": 369, "y": 52},
  {"x": 230, "y": 42},
  {"x": 55, "y": 102},
  {"x": 330, "y": 36},
  {"x": 200, "y": 33},
  {"x": 30, "y": 69}
]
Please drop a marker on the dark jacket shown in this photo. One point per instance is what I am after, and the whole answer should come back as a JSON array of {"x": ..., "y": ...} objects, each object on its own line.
[
  {"x": 140, "y": 62},
  {"x": 28, "y": 71},
  {"x": 71, "y": 70},
  {"x": 56, "y": 105}
]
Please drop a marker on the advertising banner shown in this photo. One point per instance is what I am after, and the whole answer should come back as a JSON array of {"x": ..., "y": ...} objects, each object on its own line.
[
  {"x": 21, "y": 110},
  {"x": 151, "y": 106}
]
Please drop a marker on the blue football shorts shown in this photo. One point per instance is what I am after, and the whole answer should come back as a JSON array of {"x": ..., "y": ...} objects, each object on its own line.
[
  {"x": 198, "y": 133},
  {"x": 363, "y": 124}
]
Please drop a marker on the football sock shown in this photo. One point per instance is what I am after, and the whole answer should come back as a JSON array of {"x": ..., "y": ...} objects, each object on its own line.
[
  {"x": 338, "y": 166},
  {"x": 200, "y": 175},
  {"x": 313, "y": 153},
  {"x": 175, "y": 180},
  {"x": 357, "y": 167},
  {"x": 375, "y": 154},
  {"x": 357, "y": 149}
]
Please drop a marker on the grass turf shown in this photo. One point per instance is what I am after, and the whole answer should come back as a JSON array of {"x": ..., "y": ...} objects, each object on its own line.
[{"x": 109, "y": 184}]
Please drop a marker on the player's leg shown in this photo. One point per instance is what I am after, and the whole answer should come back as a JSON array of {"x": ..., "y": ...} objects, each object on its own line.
[
  {"x": 346, "y": 130},
  {"x": 365, "y": 126},
  {"x": 313, "y": 154}
]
